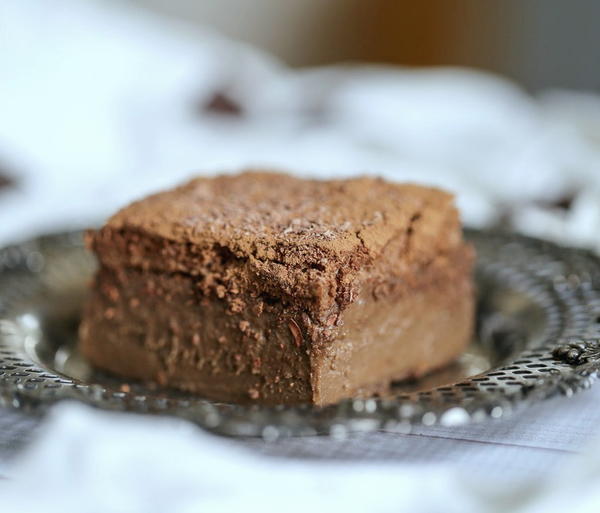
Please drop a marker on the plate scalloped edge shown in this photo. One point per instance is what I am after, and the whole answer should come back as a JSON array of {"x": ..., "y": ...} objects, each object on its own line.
[{"x": 563, "y": 282}]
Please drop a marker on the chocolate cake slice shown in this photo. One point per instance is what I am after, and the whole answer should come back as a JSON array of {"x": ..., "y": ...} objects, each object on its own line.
[{"x": 262, "y": 287}]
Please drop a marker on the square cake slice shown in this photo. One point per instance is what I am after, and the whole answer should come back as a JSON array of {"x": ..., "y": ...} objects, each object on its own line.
[{"x": 262, "y": 287}]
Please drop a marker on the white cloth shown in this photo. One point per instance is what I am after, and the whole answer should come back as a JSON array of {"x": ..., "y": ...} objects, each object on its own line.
[
  {"x": 90, "y": 461},
  {"x": 97, "y": 107}
]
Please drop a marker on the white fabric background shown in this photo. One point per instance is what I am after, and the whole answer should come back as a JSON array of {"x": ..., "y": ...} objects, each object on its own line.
[{"x": 99, "y": 105}]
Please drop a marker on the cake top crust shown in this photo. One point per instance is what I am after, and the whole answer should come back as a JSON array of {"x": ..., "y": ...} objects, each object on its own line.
[{"x": 265, "y": 213}]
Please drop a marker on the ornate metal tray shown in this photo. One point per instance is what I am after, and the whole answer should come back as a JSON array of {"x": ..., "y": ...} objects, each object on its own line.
[{"x": 537, "y": 336}]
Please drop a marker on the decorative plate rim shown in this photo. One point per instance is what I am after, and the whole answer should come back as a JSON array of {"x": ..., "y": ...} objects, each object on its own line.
[{"x": 563, "y": 282}]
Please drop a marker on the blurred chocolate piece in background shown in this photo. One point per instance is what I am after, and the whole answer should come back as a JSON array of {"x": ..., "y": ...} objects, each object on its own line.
[
  {"x": 6, "y": 181},
  {"x": 565, "y": 202},
  {"x": 220, "y": 103}
]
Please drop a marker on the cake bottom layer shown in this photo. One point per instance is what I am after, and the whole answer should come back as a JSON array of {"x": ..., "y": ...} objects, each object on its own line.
[
  {"x": 395, "y": 338},
  {"x": 161, "y": 328}
]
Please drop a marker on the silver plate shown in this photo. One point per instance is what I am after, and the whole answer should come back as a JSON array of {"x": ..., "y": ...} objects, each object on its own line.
[{"x": 537, "y": 336}]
